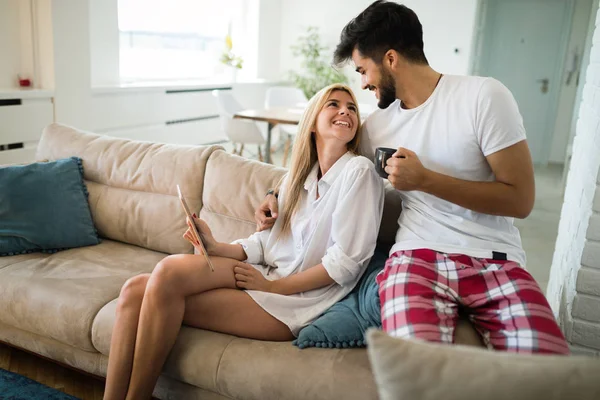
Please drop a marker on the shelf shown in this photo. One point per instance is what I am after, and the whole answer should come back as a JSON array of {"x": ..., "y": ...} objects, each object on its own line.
[{"x": 25, "y": 94}]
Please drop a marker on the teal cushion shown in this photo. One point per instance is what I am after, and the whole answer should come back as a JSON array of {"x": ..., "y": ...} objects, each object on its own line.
[
  {"x": 345, "y": 323},
  {"x": 44, "y": 207}
]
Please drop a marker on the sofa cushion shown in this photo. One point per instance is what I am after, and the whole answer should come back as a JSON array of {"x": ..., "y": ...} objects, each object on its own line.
[
  {"x": 44, "y": 207},
  {"x": 410, "y": 369},
  {"x": 392, "y": 206},
  {"x": 279, "y": 370},
  {"x": 58, "y": 295},
  {"x": 251, "y": 369},
  {"x": 233, "y": 188},
  {"x": 133, "y": 198}
]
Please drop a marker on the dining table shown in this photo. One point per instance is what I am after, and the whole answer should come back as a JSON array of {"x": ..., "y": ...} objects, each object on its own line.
[{"x": 272, "y": 116}]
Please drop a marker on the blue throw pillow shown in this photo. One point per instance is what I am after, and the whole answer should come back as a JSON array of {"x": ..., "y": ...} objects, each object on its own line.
[
  {"x": 44, "y": 207},
  {"x": 345, "y": 323}
]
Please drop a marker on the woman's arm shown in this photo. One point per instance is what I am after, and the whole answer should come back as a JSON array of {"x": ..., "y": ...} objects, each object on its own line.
[
  {"x": 250, "y": 250},
  {"x": 234, "y": 251},
  {"x": 313, "y": 278},
  {"x": 247, "y": 277},
  {"x": 355, "y": 223},
  {"x": 213, "y": 247}
]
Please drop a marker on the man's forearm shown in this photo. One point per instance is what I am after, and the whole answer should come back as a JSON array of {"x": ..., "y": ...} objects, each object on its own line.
[
  {"x": 313, "y": 278},
  {"x": 495, "y": 198}
]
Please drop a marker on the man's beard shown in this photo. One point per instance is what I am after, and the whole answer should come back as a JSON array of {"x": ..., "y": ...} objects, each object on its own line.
[{"x": 387, "y": 90}]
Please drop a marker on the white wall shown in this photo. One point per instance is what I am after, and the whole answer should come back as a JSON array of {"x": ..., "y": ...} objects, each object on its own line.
[
  {"x": 104, "y": 42},
  {"x": 10, "y": 51},
  {"x": 72, "y": 62},
  {"x": 44, "y": 46},
  {"x": 564, "y": 112},
  {"x": 447, "y": 25},
  {"x": 574, "y": 291},
  {"x": 269, "y": 39}
]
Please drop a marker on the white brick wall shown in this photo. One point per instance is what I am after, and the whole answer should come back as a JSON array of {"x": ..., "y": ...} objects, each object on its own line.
[{"x": 574, "y": 287}]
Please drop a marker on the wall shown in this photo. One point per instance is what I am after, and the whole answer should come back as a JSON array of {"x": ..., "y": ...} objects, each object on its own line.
[
  {"x": 269, "y": 41},
  {"x": 10, "y": 36},
  {"x": 104, "y": 42},
  {"x": 72, "y": 62},
  {"x": 438, "y": 18},
  {"x": 574, "y": 287}
]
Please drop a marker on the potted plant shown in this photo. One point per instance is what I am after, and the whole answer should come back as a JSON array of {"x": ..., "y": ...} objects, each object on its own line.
[
  {"x": 318, "y": 71},
  {"x": 230, "y": 59}
]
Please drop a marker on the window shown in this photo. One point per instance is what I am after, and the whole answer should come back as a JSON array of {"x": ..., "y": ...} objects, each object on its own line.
[{"x": 177, "y": 39}]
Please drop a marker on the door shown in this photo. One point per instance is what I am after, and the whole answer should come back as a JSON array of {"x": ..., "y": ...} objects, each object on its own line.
[{"x": 524, "y": 44}]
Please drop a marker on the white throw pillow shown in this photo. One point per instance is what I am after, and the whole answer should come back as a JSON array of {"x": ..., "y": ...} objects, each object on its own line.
[{"x": 417, "y": 370}]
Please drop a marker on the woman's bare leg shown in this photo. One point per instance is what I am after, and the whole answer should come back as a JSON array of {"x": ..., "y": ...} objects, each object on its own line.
[
  {"x": 174, "y": 278},
  {"x": 124, "y": 332},
  {"x": 234, "y": 312}
]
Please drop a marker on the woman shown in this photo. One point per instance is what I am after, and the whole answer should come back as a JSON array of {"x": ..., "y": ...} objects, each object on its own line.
[{"x": 313, "y": 256}]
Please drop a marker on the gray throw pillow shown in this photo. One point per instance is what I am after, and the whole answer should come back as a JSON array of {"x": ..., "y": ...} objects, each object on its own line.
[{"x": 410, "y": 369}]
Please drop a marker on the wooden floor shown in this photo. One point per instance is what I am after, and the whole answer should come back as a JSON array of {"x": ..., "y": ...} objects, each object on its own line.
[{"x": 50, "y": 374}]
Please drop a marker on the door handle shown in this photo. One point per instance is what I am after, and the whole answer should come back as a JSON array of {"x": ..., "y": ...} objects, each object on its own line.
[{"x": 545, "y": 83}]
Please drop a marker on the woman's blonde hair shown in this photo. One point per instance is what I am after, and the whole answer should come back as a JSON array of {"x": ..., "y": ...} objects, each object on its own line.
[{"x": 304, "y": 153}]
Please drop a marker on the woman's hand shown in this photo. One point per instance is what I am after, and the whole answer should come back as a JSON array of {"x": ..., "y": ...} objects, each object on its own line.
[
  {"x": 204, "y": 231},
  {"x": 247, "y": 277}
]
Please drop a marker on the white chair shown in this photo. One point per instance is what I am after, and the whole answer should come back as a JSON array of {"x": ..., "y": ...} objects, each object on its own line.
[
  {"x": 237, "y": 130},
  {"x": 285, "y": 96}
]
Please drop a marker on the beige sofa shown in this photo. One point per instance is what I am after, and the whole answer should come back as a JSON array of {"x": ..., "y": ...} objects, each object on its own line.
[{"x": 62, "y": 306}]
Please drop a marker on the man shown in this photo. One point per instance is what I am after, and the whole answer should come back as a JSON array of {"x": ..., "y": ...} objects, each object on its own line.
[{"x": 464, "y": 171}]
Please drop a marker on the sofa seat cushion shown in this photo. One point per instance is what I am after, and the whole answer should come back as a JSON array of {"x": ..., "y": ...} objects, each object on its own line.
[
  {"x": 58, "y": 295},
  {"x": 251, "y": 369}
]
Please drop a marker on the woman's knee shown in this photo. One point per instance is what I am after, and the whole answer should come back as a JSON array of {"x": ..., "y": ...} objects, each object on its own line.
[
  {"x": 132, "y": 291},
  {"x": 166, "y": 276}
]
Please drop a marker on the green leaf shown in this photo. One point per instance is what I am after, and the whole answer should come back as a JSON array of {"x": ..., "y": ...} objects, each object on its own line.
[{"x": 317, "y": 72}]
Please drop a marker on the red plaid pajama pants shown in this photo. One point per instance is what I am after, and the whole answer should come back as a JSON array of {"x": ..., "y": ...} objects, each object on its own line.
[{"x": 420, "y": 292}]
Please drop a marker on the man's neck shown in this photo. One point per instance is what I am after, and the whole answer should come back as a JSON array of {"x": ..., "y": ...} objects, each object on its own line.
[{"x": 415, "y": 84}]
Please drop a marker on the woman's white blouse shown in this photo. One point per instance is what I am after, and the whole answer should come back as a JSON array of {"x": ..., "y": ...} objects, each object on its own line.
[{"x": 338, "y": 230}]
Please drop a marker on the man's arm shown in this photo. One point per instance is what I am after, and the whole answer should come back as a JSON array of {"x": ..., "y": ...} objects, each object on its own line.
[
  {"x": 512, "y": 194},
  {"x": 266, "y": 214}
]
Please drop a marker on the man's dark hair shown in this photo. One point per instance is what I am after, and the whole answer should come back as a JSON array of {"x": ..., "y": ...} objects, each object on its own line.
[{"x": 380, "y": 27}]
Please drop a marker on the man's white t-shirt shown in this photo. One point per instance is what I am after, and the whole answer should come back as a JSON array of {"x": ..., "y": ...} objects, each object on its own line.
[{"x": 464, "y": 120}]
